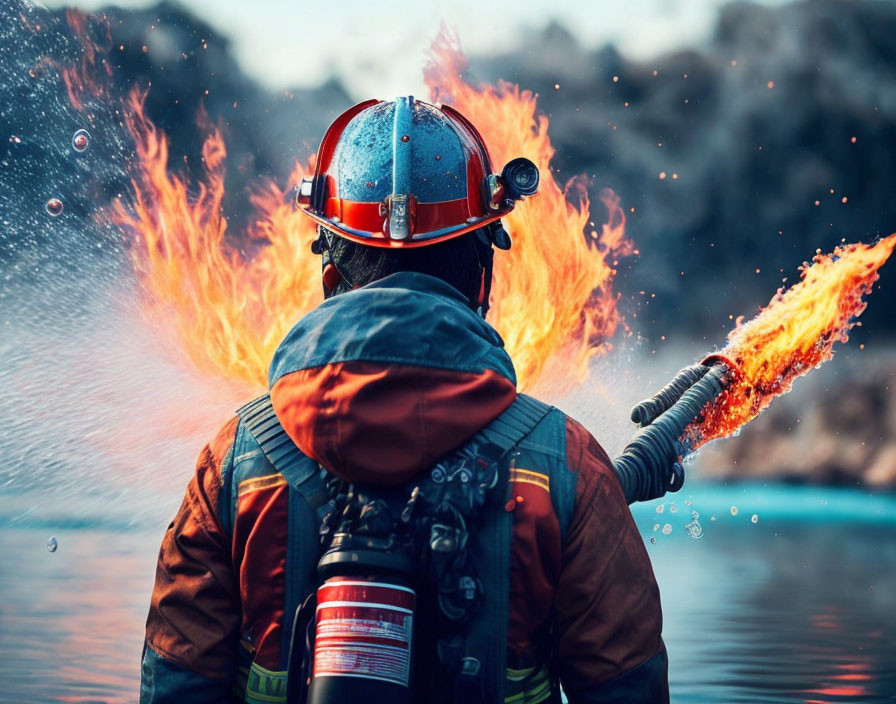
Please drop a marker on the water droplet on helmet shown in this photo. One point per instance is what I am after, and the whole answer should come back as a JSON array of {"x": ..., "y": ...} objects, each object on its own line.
[
  {"x": 667, "y": 529},
  {"x": 755, "y": 518},
  {"x": 52, "y": 544},
  {"x": 661, "y": 508},
  {"x": 656, "y": 527},
  {"x": 54, "y": 207},
  {"x": 694, "y": 529},
  {"x": 80, "y": 140},
  {"x": 672, "y": 508},
  {"x": 653, "y": 540},
  {"x": 734, "y": 510}
]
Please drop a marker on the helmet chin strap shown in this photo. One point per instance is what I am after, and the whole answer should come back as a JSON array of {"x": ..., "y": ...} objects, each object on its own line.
[
  {"x": 486, "y": 267},
  {"x": 331, "y": 274}
]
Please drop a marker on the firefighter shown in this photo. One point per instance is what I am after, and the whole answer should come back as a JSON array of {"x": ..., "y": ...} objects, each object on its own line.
[{"x": 394, "y": 372}]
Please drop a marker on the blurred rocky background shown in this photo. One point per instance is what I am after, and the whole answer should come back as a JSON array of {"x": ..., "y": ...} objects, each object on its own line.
[{"x": 734, "y": 161}]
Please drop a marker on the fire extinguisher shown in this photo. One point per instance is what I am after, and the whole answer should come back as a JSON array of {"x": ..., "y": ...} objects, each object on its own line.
[{"x": 364, "y": 623}]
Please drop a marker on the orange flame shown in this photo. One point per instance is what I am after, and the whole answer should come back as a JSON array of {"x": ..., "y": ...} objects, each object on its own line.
[
  {"x": 230, "y": 310},
  {"x": 553, "y": 294},
  {"x": 795, "y": 333},
  {"x": 81, "y": 80}
]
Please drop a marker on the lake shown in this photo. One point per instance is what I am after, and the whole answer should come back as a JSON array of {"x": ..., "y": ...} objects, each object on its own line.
[{"x": 799, "y": 606}]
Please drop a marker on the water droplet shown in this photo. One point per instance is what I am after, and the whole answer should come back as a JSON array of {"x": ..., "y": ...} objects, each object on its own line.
[
  {"x": 712, "y": 518},
  {"x": 653, "y": 540},
  {"x": 694, "y": 529},
  {"x": 672, "y": 508},
  {"x": 734, "y": 510},
  {"x": 39, "y": 70},
  {"x": 52, "y": 544},
  {"x": 80, "y": 140},
  {"x": 695, "y": 515},
  {"x": 667, "y": 529},
  {"x": 687, "y": 501},
  {"x": 656, "y": 527},
  {"x": 661, "y": 508},
  {"x": 755, "y": 518},
  {"x": 54, "y": 207}
]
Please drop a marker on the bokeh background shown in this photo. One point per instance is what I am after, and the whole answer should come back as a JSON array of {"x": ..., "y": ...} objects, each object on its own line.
[{"x": 740, "y": 138}]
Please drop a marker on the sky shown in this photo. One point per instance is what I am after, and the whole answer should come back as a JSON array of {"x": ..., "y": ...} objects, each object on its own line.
[{"x": 377, "y": 47}]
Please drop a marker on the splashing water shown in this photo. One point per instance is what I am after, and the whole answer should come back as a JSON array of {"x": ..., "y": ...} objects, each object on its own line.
[
  {"x": 694, "y": 529},
  {"x": 95, "y": 405}
]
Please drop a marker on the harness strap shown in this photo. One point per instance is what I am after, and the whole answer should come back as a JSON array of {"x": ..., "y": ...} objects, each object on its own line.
[
  {"x": 515, "y": 423},
  {"x": 301, "y": 472},
  {"x": 484, "y": 668},
  {"x": 308, "y": 504}
]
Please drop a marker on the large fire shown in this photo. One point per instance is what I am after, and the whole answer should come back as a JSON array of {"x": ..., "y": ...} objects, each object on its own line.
[
  {"x": 552, "y": 296},
  {"x": 230, "y": 309},
  {"x": 553, "y": 289},
  {"x": 794, "y": 334}
]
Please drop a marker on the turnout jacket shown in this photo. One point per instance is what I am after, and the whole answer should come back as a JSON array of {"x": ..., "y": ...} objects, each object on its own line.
[{"x": 377, "y": 385}]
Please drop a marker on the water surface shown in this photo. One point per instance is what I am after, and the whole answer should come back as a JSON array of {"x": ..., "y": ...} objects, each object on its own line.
[{"x": 797, "y": 607}]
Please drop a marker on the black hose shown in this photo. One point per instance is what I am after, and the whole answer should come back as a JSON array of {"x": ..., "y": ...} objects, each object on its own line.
[
  {"x": 649, "y": 409},
  {"x": 649, "y": 465}
]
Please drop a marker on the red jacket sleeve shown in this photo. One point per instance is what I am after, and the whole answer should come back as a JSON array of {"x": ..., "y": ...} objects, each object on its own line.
[
  {"x": 194, "y": 615},
  {"x": 608, "y": 619}
]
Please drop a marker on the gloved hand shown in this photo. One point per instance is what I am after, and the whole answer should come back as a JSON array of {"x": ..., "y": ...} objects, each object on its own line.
[{"x": 650, "y": 465}]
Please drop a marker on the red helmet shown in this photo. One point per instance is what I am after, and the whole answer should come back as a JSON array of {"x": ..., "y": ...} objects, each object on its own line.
[{"x": 408, "y": 174}]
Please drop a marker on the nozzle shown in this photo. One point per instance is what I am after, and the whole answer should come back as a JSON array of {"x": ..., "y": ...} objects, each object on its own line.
[{"x": 649, "y": 466}]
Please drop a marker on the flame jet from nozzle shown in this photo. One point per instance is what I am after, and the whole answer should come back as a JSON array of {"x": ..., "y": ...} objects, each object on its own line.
[{"x": 795, "y": 333}]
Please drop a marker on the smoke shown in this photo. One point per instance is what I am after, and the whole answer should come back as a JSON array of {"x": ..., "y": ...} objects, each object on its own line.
[{"x": 723, "y": 151}]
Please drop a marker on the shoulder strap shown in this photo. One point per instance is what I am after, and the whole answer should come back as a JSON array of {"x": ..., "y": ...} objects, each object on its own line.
[
  {"x": 487, "y": 639},
  {"x": 301, "y": 472},
  {"x": 308, "y": 504},
  {"x": 487, "y": 636},
  {"x": 515, "y": 423}
]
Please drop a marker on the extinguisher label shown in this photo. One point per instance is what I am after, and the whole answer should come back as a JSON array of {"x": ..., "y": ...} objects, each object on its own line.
[{"x": 364, "y": 629}]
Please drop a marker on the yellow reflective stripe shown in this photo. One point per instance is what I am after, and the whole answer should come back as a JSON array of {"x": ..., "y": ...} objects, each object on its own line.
[
  {"x": 264, "y": 686},
  {"x": 525, "y": 476},
  {"x": 517, "y": 675},
  {"x": 536, "y": 688},
  {"x": 257, "y": 483}
]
